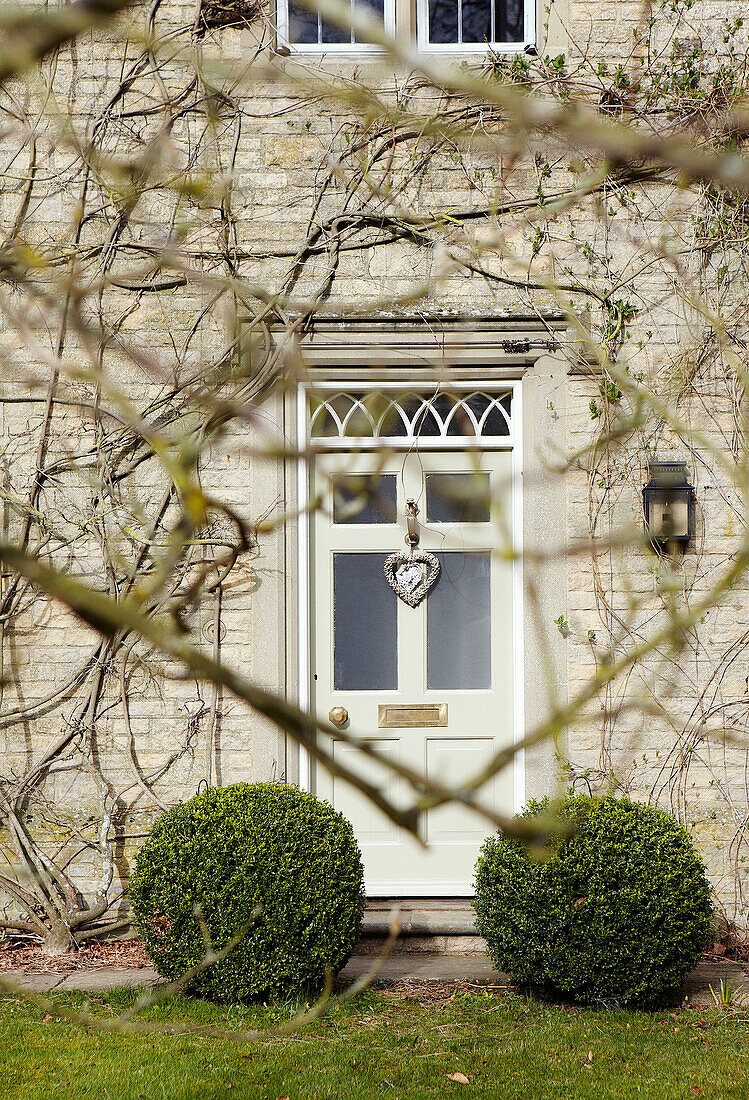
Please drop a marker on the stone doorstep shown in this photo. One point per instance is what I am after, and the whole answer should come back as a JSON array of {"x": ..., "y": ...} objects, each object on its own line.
[
  {"x": 413, "y": 944},
  {"x": 420, "y": 917},
  {"x": 429, "y": 926}
]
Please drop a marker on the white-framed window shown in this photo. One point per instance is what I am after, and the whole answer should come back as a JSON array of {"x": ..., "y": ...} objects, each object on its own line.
[
  {"x": 470, "y": 26},
  {"x": 304, "y": 31},
  {"x": 438, "y": 26}
]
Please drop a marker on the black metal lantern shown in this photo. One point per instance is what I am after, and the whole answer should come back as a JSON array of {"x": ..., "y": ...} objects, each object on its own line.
[{"x": 668, "y": 502}]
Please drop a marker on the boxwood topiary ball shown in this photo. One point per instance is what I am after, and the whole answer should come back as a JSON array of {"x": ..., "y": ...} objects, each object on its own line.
[
  {"x": 616, "y": 915},
  {"x": 230, "y": 850}
]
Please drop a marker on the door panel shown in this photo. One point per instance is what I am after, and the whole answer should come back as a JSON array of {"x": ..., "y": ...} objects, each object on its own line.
[
  {"x": 451, "y": 761},
  {"x": 455, "y": 649},
  {"x": 372, "y": 826}
]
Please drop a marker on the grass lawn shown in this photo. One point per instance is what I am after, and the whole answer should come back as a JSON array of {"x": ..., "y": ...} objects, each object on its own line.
[{"x": 388, "y": 1043}]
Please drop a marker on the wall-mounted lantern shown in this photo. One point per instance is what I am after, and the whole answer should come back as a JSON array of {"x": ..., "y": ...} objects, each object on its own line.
[{"x": 668, "y": 502}]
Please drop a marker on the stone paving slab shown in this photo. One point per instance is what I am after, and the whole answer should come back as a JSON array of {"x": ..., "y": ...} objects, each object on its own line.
[
  {"x": 426, "y": 968},
  {"x": 438, "y": 968},
  {"x": 85, "y": 981},
  {"x": 706, "y": 974}
]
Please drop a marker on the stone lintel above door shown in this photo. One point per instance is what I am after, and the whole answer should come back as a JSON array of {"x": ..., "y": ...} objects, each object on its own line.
[{"x": 339, "y": 347}]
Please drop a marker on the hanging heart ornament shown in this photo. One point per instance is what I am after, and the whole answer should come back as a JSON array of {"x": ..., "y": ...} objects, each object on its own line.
[{"x": 412, "y": 575}]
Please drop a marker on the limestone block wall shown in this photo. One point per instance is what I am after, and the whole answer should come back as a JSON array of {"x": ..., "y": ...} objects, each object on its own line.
[
  {"x": 673, "y": 728},
  {"x": 267, "y": 196}
]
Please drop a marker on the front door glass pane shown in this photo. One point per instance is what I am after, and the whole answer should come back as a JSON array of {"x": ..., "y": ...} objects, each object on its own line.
[
  {"x": 365, "y": 498},
  {"x": 459, "y": 623},
  {"x": 457, "y": 498},
  {"x": 365, "y": 624}
]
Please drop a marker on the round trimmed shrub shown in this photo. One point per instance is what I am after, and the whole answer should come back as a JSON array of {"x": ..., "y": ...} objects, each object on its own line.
[
  {"x": 230, "y": 850},
  {"x": 616, "y": 914}
]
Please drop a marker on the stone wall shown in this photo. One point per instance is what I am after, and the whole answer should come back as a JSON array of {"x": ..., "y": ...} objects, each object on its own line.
[{"x": 259, "y": 172}]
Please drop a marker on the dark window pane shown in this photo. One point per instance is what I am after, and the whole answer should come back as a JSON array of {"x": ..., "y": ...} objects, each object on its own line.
[
  {"x": 331, "y": 34},
  {"x": 412, "y": 404},
  {"x": 508, "y": 21},
  {"x": 360, "y": 422},
  {"x": 443, "y": 21},
  {"x": 302, "y": 25},
  {"x": 495, "y": 423},
  {"x": 426, "y": 423},
  {"x": 323, "y": 424},
  {"x": 443, "y": 404},
  {"x": 457, "y": 498},
  {"x": 375, "y": 7},
  {"x": 366, "y": 498},
  {"x": 393, "y": 423},
  {"x": 365, "y": 624},
  {"x": 459, "y": 623},
  {"x": 461, "y": 423},
  {"x": 478, "y": 403},
  {"x": 477, "y": 21},
  {"x": 342, "y": 403}
]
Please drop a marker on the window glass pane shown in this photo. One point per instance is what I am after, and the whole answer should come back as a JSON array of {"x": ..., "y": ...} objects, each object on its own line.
[
  {"x": 365, "y": 624},
  {"x": 478, "y": 403},
  {"x": 367, "y": 498},
  {"x": 375, "y": 7},
  {"x": 393, "y": 423},
  {"x": 477, "y": 21},
  {"x": 495, "y": 423},
  {"x": 331, "y": 33},
  {"x": 418, "y": 411},
  {"x": 508, "y": 20},
  {"x": 457, "y": 498},
  {"x": 459, "y": 623},
  {"x": 443, "y": 21},
  {"x": 322, "y": 423},
  {"x": 426, "y": 422},
  {"x": 360, "y": 422},
  {"x": 443, "y": 404},
  {"x": 302, "y": 25}
]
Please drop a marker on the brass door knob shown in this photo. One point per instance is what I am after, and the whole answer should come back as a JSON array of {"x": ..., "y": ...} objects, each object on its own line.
[{"x": 338, "y": 716}]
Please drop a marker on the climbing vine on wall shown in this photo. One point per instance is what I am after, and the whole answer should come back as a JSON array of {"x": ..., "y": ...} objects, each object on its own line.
[{"x": 159, "y": 304}]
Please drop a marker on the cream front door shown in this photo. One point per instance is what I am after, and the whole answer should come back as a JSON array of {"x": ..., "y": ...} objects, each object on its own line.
[{"x": 431, "y": 686}]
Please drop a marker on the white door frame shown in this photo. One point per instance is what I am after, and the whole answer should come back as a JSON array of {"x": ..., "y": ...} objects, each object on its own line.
[{"x": 513, "y": 442}]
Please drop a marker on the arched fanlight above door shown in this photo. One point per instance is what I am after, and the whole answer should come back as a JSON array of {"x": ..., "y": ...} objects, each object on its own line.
[{"x": 375, "y": 417}]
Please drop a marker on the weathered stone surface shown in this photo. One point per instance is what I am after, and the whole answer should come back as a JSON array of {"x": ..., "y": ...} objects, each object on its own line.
[{"x": 684, "y": 745}]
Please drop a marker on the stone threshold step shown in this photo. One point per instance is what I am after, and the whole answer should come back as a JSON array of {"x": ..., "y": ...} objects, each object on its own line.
[
  {"x": 421, "y": 921},
  {"x": 417, "y": 945}
]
